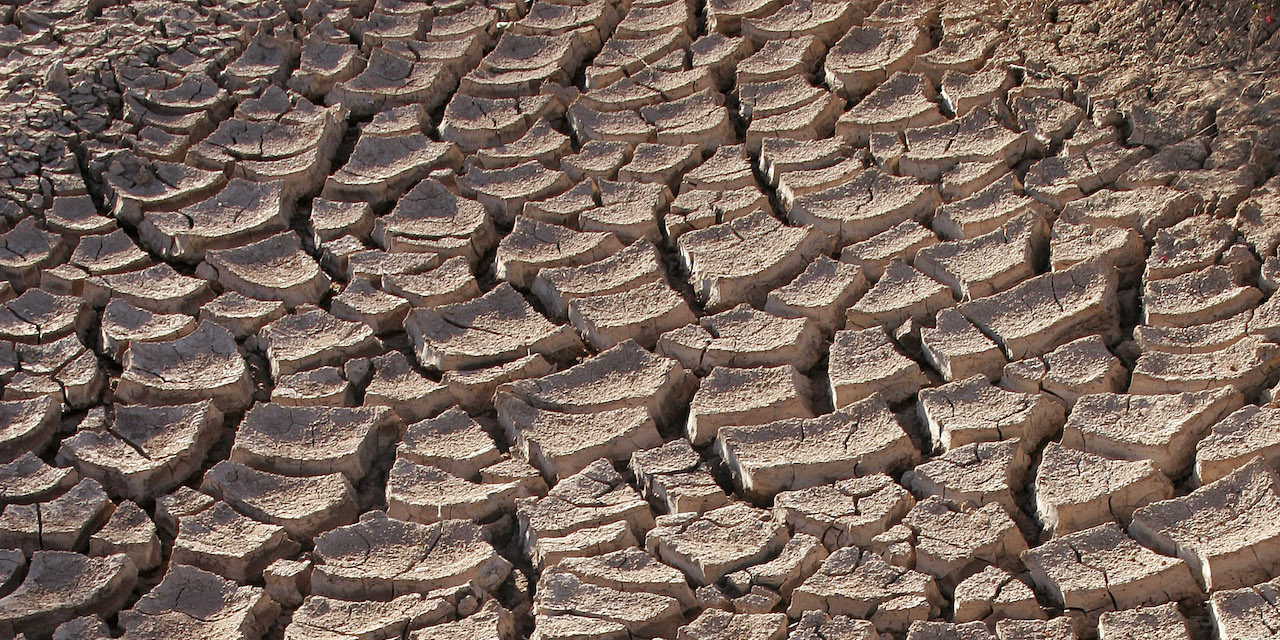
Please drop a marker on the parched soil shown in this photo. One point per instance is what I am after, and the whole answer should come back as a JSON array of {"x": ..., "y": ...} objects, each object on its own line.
[{"x": 639, "y": 320}]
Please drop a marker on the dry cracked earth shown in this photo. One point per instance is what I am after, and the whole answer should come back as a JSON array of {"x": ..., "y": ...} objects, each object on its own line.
[{"x": 678, "y": 319}]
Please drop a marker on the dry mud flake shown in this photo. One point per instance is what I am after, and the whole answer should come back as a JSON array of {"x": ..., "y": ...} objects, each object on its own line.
[
  {"x": 626, "y": 590},
  {"x": 314, "y": 338},
  {"x": 867, "y": 362},
  {"x": 347, "y": 255},
  {"x": 903, "y": 293},
  {"x": 986, "y": 209},
  {"x": 951, "y": 544},
  {"x": 867, "y": 55},
  {"x": 492, "y": 621},
  {"x": 555, "y": 442},
  {"x": 1207, "y": 337},
  {"x": 533, "y": 245},
  {"x": 129, "y": 531},
  {"x": 904, "y": 101},
  {"x": 380, "y": 557},
  {"x": 1244, "y": 366},
  {"x": 331, "y": 219},
  {"x": 61, "y": 585},
  {"x": 473, "y": 389},
  {"x": 901, "y": 242},
  {"x": 63, "y": 523},
  {"x": 817, "y": 625},
  {"x": 591, "y": 512},
  {"x": 194, "y": 603},
  {"x": 635, "y": 264},
  {"x": 431, "y": 218},
  {"x": 28, "y": 426},
  {"x": 451, "y": 441},
  {"x": 1075, "y": 369},
  {"x": 860, "y": 584},
  {"x": 38, "y": 316},
  {"x": 13, "y": 565},
  {"x": 1190, "y": 245},
  {"x": 1119, "y": 248},
  {"x": 139, "y": 452},
  {"x": 302, "y": 441},
  {"x": 1060, "y": 628},
  {"x": 1164, "y": 621},
  {"x": 541, "y": 142},
  {"x": 994, "y": 593},
  {"x": 675, "y": 476},
  {"x": 448, "y": 283},
  {"x": 1224, "y": 530},
  {"x": 206, "y": 364},
  {"x": 700, "y": 208},
  {"x": 425, "y": 494},
  {"x": 1102, "y": 569},
  {"x": 180, "y": 502},
  {"x": 123, "y": 323},
  {"x": 861, "y": 438},
  {"x": 323, "y": 618},
  {"x": 157, "y": 185},
  {"x": 493, "y": 329},
  {"x": 711, "y": 545},
  {"x": 717, "y": 624},
  {"x": 1162, "y": 428},
  {"x": 159, "y": 289},
  {"x": 304, "y": 506},
  {"x": 624, "y": 376},
  {"x": 272, "y": 269},
  {"x": 742, "y": 260},
  {"x": 65, "y": 368},
  {"x": 848, "y": 513},
  {"x": 735, "y": 397},
  {"x": 1049, "y": 310},
  {"x": 974, "y": 475},
  {"x": 857, "y": 206},
  {"x": 1246, "y": 613},
  {"x": 641, "y": 314},
  {"x": 764, "y": 585},
  {"x": 28, "y": 479},
  {"x": 323, "y": 386},
  {"x": 743, "y": 337},
  {"x": 991, "y": 262},
  {"x": 242, "y": 212},
  {"x": 973, "y": 410},
  {"x": 505, "y": 192},
  {"x": 820, "y": 293},
  {"x": 26, "y": 250},
  {"x": 1144, "y": 209},
  {"x": 958, "y": 350},
  {"x": 1197, "y": 297},
  {"x": 474, "y": 122},
  {"x": 396, "y": 384},
  {"x": 382, "y": 169},
  {"x": 239, "y": 314},
  {"x": 1235, "y": 440},
  {"x": 220, "y": 540},
  {"x": 1115, "y": 490}
]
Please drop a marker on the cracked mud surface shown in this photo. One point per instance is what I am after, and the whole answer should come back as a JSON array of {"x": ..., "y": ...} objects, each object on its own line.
[{"x": 639, "y": 320}]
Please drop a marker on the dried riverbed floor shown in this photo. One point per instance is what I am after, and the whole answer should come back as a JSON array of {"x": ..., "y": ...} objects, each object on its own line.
[{"x": 653, "y": 319}]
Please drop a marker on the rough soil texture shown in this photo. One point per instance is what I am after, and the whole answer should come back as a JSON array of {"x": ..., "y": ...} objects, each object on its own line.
[{"x": 639, "y": 320}]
